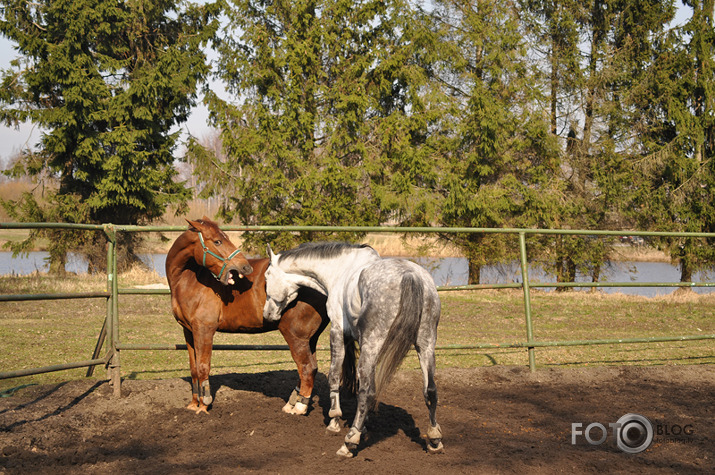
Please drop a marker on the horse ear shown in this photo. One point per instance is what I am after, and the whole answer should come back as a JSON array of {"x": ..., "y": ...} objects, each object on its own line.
[
  {"x": 271, "y": 256},
  {"x": 193, "y": 225}
]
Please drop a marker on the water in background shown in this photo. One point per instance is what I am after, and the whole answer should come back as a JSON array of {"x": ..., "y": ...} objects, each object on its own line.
[
  {"x": 445, "y": 271},
  {"x": 37, "y": 261},
  {"x": 454, "y": 271}
]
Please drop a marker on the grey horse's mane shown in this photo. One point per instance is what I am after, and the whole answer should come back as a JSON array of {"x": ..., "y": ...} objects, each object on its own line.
[{"x": 322, "y": 250}]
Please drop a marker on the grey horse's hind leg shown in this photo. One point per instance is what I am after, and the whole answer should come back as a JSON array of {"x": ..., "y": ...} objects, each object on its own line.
[
  {"x": 366, "y": 398},
  {"x": 434, "y": 434}
]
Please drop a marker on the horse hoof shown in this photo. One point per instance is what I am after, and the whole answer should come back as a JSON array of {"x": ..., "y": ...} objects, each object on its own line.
[
  {"x": 435, "y": 433},
  {"x": 300, "y": 409},
  {"x": 437, "y": 448},
  {"x": 333, "y": 428},
  {"x": 196, "y": 407},
  {"x": 434, "y": 443},
  {"x": 344, "y": 452}
]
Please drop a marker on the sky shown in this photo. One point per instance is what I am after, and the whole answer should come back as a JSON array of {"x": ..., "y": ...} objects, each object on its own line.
[{"x": 12, "y": 140}]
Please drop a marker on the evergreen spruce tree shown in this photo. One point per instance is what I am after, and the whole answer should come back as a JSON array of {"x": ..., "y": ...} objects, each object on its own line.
[
  {"x": 556, "y": 35},
  {"x": 107, "y": 82},
  {"x": 324, "y": 120},
  {"x": 500, "y": 159},
  {"x": 599, "y": 52},
  {"x": 676, "y": 166}
]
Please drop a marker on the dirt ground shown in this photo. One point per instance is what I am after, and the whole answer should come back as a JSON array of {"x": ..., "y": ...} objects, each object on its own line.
[{"x": 495, "y": 420}]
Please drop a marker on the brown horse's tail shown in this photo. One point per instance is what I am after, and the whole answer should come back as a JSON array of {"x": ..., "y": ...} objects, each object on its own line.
[
  {"x": 349, "y": 379},
  {"x": 403, "y": 332}
]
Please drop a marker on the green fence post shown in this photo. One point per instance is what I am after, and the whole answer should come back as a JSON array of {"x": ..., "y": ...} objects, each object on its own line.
[
  {"x": 527, "y": 299},
  {"x": 113, "y": 308}
]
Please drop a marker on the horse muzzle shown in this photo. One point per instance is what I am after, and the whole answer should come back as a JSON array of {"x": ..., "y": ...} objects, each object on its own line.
[
  {"x": 271, "y": 312},
  {"x": 232, "y": 274}
]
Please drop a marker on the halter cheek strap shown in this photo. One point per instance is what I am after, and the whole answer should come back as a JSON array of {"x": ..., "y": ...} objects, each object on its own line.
[{"x": 222, "y": 259}]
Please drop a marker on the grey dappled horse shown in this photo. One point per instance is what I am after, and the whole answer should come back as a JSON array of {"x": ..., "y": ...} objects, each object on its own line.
[{"x": 386, "y": 305}]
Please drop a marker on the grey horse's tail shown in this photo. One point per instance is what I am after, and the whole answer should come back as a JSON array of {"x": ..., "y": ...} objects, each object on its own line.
[{"x": 403, "y": 332}]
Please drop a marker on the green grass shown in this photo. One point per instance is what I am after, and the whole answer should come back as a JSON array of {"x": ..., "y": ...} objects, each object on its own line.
[{"x": 35, "y": 334}]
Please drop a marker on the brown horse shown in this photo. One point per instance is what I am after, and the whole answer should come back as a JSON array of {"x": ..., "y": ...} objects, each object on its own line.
[{"x": 215, "y": 288}]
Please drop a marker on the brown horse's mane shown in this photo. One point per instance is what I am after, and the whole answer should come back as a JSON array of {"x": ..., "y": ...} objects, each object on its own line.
[
  {"x": 183, "y": 240},
  {"x": 180, "y": 247}
]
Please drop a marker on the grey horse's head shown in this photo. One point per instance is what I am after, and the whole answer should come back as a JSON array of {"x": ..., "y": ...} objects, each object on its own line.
[{"x": 281, "y": 288}]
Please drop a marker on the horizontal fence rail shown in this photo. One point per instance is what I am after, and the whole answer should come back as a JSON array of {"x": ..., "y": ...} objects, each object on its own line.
[
  {"x": 26, "y": 297},
  {"x": 110, "y": 328}
]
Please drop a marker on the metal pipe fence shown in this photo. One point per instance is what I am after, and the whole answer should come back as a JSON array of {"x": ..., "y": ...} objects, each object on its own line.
[{"x": 110, "y": 329}]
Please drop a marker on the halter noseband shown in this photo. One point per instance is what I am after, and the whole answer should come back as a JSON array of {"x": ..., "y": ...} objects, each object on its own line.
[{"x": 224, "y": 260}]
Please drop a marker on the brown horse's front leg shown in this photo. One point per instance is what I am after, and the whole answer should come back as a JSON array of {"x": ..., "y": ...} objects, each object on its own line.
[
  {"x": 204, "y": 347},
  {"x": 200, "y": 345},
  {"x": 194, "y": 404}
]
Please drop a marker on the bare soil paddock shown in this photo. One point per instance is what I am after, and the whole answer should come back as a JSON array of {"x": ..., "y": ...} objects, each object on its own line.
[{"x": 500, "y": 419}]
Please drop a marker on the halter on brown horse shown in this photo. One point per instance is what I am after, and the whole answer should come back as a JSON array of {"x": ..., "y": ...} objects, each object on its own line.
[{"x": 215, "y": 288}]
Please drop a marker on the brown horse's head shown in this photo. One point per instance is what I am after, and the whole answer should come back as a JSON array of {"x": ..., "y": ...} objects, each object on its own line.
[{"x": 215, "y": 251}]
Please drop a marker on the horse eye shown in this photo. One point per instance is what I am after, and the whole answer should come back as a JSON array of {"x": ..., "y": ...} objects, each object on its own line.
[{"x": 217, "y": 242}]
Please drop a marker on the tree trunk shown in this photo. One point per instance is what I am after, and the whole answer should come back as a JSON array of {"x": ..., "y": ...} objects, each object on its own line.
[
  {"x": 57, "y": 264},
  {"x": 595, "y": 276},
  {"x": 474, "y": 273},
  {"x": 686, "y": 270}
]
